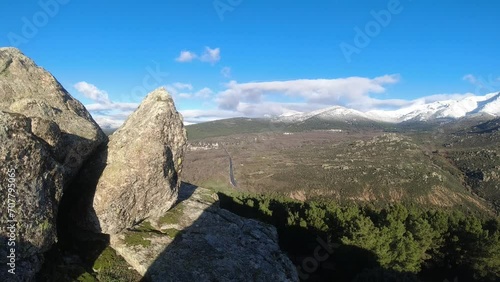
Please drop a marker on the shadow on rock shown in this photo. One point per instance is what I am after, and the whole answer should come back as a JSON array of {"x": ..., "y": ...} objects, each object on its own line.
[
  {"x": 14, "y": 265},
  {"x": 198, "y": 241},
  {"x": 80, "y": 242}
]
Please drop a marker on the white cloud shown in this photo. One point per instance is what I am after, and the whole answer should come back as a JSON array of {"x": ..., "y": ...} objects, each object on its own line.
[
  {"x": 110, "y": 114},
  {"x": 483, "y": 85},
  {"x": 106, "y": 113},
  {"x": 268, "y": 108},
  {"x": 185, "y": 91},
  {"x": 185, "y": 95},
  {"x": 204, "y": 93},
  {"x": 112, "y": 106},
  {"x": 108, "y": 122},
  {"x": 259, "y": 99},
  {"x": 92, "y": 92},
  {"x": 186, "y": 56},
  {"x": 197, "y": 116},
  {"x": 339, "y": 91},
  {"x": 250, "y": 99},
  {"x": 470, "y": 78},
  {"x": 226, "y": 72},
  {"x": 172, "y": 89},
  {"x": 210, "y": 55},
  {"x": 181, "y": 86}
]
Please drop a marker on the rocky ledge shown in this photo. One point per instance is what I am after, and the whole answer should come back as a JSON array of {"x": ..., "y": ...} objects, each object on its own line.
[{"x": 198, "y": 241}]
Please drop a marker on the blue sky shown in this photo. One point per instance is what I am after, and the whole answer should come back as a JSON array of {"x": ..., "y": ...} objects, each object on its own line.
[{"x": 256, "y": 58}]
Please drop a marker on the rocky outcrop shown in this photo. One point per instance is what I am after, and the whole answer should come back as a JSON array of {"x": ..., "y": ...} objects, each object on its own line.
[
  {"x": 31, "y": 185},
  {"x": 138, "y": 173},
  {"x": 198, "y": 241},
  {"x": 46, "y": 135},
  {"x": 30, "y": 90},
  {"x": 126, "y": 189},
  {"x": 136, "y": 179}
]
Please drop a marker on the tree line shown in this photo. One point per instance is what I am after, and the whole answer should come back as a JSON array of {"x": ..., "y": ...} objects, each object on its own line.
[{"x": 366, "y": 243}]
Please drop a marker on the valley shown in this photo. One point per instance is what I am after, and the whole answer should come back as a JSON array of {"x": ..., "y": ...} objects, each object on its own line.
[
  {"x": 250, "y": 141},
  {"x": 451, "y": 165},
  {"x": 412, "y": 201}
]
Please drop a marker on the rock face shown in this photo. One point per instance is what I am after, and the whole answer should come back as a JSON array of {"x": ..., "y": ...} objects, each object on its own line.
[
  {"x": 45, "y": 135},
  {"x": 29, "y": 207},
  {"x": 143, "y": 163},
  {"x": 30, "y": 90},
  {"x": 198, "y": 241}
]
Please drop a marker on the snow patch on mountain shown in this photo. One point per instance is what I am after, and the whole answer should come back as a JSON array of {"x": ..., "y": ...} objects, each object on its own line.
[{"x": 331, "y": 113}]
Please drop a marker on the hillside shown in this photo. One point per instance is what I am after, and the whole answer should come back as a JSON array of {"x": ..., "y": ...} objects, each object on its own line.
[
  {"x": 227, "y": 127},
  {"x": 233, "y": 126}
]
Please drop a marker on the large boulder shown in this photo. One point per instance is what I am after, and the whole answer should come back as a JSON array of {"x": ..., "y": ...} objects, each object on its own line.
[
  {"x": 31, "y": 185},
  {"x": 198, "y": 241},
  {"x": 30, "y": 90},
  {"x": 138, "y": 174},
  {"x": 46, "y": 135}
]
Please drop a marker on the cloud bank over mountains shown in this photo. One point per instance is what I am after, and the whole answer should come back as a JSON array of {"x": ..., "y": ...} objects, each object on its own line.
[{"x": 269, "y": 98}]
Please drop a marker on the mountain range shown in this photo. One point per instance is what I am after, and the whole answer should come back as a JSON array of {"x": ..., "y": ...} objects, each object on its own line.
[{"x": 471, "y": 106}]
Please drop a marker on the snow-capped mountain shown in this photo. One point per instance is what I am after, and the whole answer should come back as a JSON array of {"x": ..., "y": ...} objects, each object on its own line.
[
  {"x": 451, "y": 109},
  {"x": 331, "y": 113}
]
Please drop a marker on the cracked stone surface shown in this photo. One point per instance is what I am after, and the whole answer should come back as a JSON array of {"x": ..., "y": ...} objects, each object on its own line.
[{"x": 198, "y": 241}]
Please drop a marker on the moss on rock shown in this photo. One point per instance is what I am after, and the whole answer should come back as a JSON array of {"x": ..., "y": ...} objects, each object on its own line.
[
  {"x": 172, "y": 216},
  {"x": 136, "y": 238},
  {"x": 112, "y": 267}
]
